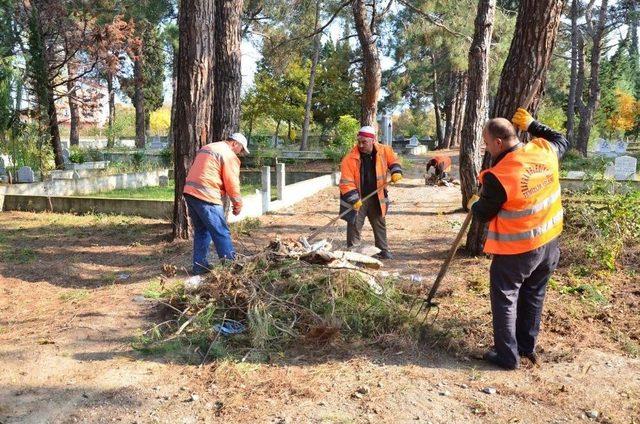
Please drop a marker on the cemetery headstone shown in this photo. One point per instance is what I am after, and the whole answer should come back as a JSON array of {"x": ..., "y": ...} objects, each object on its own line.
[
  {"x": 610, "y": 170},
  {"x": 602, "y": 146},
  {"x": 163, "y": 180},
  {"x": 26, "y": 175},
  {"x": 65, "y": 156},
  {"x": 3, "y": 170},
  {"x": 575, "y": 175},
  {"x": 621, "y": 147},
  {"x": 413, "y": 141},
  {"x": 626, "y": 167}
]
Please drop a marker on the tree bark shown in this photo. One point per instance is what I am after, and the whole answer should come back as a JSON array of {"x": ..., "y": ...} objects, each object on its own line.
[
  {"x": 461, "y": 100},
  {"x": 304, "y": 145},
  {"x": 54, "y": 130},
  {"x": 194, "y": 95},
  {"x": 72, "y": 100},
  {"x": 371, "y": 71},
  {"x": 571, "y": 103},
  {"x": 448, "y": 118},
  {"x": 174, "y": 87},
  {"x": 528, "y": 59},
  {"x": 436, "y": 102},
  {"x": 476, "y": 105},
  {"x": 587, "y": 111},
  {"x": 227, "y": 70},
  {"x": 112, "y": 110},
  {"x": 138, "y": 103}
]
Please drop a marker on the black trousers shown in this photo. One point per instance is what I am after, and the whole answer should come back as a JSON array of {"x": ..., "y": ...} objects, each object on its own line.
[
  {"x": 370, "y": 209},
  {"x": 518, "y": 288}
]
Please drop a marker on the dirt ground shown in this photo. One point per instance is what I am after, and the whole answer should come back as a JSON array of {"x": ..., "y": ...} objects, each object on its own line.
[{"x": 72, "y": 301}]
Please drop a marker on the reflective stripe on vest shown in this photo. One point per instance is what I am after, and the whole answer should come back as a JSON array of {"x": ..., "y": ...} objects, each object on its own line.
[
  {"x": 530, "y": 234},
  {"x": 546, "y": 203},
  {"x": 208, "y": 190}
]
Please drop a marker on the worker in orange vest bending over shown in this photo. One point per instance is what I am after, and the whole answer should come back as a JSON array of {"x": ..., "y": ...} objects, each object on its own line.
[
  {"x": 364, "y": 170},
  {"x": 520, "y": 199},
  {"x": 441, "y": 166},
  {"x": 215, "y": 173}
]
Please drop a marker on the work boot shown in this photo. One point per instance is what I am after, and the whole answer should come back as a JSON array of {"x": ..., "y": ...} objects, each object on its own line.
[
  {"x": 533, "y": 357},
  {"x": 492, "y": 357},
  {"x": 385, "y": 254}
]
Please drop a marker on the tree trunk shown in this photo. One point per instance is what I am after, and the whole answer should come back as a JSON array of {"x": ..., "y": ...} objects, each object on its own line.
[
  {"x": 371, "y": 72},
  {"x": 72, "y": 99},
  {"x": 528, "y": 59},
  {"x": 436, "y": 102},
  {"x": 112, "y": 111},
  {"x": 448, "y": 118},
  {"x": 138, "y": 103},
  {"x": 461, "y": 100},
  {"x": 304, "y": 145},
  {"x": 194, "y": 94},
  {"x": 54, "y": 131},
  {"x": 571, "y": 103},
  {"x": 587, "y": 111},
  {"x": 174, "y": 87},
  {"x": 475, "y": 110},
  {"x": 227, "y": 71}
]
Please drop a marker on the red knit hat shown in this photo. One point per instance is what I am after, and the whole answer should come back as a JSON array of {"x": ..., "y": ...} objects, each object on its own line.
[{"x": 367, "y": 131}]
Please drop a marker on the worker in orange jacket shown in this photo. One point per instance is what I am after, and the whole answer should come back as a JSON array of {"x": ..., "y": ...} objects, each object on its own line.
[
  {"x": 214, "y": 174},
  {"x": 441, "y": 166},
  {"x": 520, "y": 199},
  {"x": 363, "y": 171}
]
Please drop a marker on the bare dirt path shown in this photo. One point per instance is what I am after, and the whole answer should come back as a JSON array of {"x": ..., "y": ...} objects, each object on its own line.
[{"x": 71, "y": 304}]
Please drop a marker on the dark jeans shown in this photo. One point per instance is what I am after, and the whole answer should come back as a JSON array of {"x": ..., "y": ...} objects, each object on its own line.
[
  {"x": 209, "y": 224},
  {"x": 518, "y": 287},
  {"x": 370, "y": 209}
]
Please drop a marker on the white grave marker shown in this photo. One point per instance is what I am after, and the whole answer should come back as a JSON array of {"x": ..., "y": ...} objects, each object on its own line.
[
  {"x": 413, "y": 142},
  {"x": 621, "y": 147},
  {"x": 626, "y": 167},
  {"x": 25, "y": 175}
]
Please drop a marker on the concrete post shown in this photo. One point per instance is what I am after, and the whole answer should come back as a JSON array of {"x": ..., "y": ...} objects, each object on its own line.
[
  {"x": 280, "y": 180},
  {"x": 266, "y": 188}
]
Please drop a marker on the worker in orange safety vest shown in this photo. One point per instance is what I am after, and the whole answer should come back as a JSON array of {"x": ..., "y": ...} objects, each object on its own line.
[
  {"x": 363, "y": 171},
  {"x": 520, "y": 199},
  {"x": 214, "y": 174}
]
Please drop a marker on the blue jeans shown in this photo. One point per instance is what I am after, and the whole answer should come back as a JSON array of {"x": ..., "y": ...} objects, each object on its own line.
[{"x": 209, "y": 224}]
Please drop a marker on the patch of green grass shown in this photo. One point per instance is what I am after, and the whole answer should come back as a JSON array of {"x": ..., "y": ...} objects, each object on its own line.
[
  {"x": 20, "y": 256},
  {"x": 74, "y": 295},
  {"x": 245, "y": 227}
]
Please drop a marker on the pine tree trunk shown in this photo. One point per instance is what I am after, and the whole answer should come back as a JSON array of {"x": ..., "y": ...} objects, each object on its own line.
[
  {"x": 571, "y": 103},
  {"x": 227, "y": 71},
  {"x": 528, "y": 59},
  {"x": 304, "y": 145},
  {"x": 436, "y": 102},
  {"x": 194, "y": 95},
  {"x": 461, "y": 101},
  {"x": 174, "y": 86},
  {"x": 112, "y": 111},
  {"x": 54, "y": 131},
  {"x": 587, "y": 111},
  {"x": 448, "y": 119},
  {"x": 72, "y": 99},
  {"x": 476, "y": 106},
  {"x": 138, "y": 103},
  {"x": 371, "y": 72}
]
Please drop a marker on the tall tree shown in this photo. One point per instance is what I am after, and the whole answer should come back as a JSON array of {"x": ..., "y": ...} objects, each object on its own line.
[
  {"x": 476, "y": 107},
  {"x": 371, "y": 70},
  {"x": 529, "y": 57},
  {"x": 227, "y": 71},
  {"x": 196, "y": 21},
  {"x": 317, "y": 39},
  {"x": 571, "y": 103},
  {"x": 588, "y": 108}
]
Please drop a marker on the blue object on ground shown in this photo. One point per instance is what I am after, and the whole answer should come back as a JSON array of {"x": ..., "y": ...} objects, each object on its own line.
[{"x": 229, "y": 327}]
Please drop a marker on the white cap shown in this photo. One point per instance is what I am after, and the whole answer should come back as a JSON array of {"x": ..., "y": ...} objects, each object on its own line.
[{"x": 240, "y": 139}]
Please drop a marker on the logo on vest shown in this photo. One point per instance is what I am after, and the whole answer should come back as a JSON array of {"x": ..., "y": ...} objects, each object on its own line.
[{"x": 535, "y": 178}]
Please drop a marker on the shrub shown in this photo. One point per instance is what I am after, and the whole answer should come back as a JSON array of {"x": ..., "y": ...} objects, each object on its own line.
[
  {"x": 137, "y": 159},
  {"x": 344, "y": 136},
  {"x": 77, "y": 155},
  {"x": 166, "y": 157}
]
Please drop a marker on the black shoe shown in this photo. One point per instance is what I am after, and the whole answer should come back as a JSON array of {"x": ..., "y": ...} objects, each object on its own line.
[
  {"x": 533, "y": 357},
  {"x": 385, "y": 254},
  {"x": 492, "y": 357}
]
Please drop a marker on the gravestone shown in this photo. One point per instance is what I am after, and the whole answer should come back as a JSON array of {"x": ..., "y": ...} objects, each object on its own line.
[
  {"x": 610, "y": 170},
  {"x": 3, "y": 170},
  {"x": 163, "y": 180},
  {"x": 621, "y": 147},
  {"x": 576, "y": 175},
  {"x": 413, "y": 142},
  {"x": 602, "y": 146},
  {"x": 25, "y": 175},
  {"x": 65, "y": 156},
  {"x": 626, "y": 167}
]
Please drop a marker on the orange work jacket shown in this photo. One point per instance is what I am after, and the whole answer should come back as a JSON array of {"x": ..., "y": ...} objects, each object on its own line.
[
  {"x": 215, "y": 173},
  {"x": 532, "y": 214},
  {"x": 386, "y": 161},
  {"x": 440, "y": 163}
]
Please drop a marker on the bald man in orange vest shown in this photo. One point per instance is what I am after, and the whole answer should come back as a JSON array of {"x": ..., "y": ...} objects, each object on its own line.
[{"x": 520, "y": 199}]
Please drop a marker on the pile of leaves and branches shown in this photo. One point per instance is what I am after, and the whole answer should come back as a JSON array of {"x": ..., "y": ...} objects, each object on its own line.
[{"x": 275, "y": 300}]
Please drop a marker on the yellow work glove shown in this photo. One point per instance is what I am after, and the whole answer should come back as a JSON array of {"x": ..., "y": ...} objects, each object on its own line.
[
  {"x": 473, "y": 200},
  {"x": 357, "y": 205},
  {"x": 396, "y": 177},
  {"x": 522, "y": 119}
]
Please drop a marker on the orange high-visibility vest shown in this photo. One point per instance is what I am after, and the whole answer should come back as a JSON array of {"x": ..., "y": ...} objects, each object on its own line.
[
  {"x": 215, "y": 173},
  {"x": 532, "y": 213},
  {"x": 444, "y": 161},
  {"x": 386, "y": 160}
]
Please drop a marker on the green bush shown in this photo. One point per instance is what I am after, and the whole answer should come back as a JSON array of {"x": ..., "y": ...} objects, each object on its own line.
[
  {"x": 344, "y": 138},
  {"x": 30, "y": 147},
  {"x": 77, "y": 155},
  {"x": 166, "y": 157},
  {"x": 137, "y": 159}
]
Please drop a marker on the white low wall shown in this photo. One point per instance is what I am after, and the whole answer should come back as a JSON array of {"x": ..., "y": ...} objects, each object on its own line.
[
  {"x": 87, "y": 185},
  {"x": 296, "y": 192}
]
